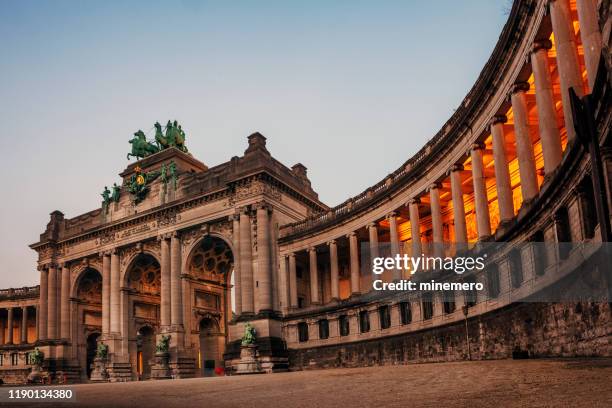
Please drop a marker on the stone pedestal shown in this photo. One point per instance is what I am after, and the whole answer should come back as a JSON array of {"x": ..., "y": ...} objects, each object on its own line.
[
  {"x": 99, "y": 372},
  {"x": 36, "y": 375},
  {"x": 161, "y": 368},
  {"x": 249, "y": 362}
]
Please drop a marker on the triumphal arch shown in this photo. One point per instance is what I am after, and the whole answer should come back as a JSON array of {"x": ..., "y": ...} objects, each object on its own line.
[{"x": 160, "y": 258}]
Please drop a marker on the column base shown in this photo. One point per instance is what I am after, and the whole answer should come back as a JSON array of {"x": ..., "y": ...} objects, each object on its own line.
[{"x": 272, "y": 352}]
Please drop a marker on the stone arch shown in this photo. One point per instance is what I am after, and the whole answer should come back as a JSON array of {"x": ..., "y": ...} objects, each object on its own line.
[
  {"x": 188, "y": 251},
  {"x": 144, "y": 274},
  {"x": 132, "y": 257},
  {"x": 81, "y": 273},
  {"x": 223, "y": 266}
]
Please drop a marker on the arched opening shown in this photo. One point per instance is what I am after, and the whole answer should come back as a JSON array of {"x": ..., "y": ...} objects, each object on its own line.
[
  {"x": 143, "y": 278},
  {"x": 211, "y": 264},
  {"x": 92, "y": 345},
  {"x": 88, "y": 302},
  {"x": 212, "y": 343},
  {"x": 145, "y": 343}
]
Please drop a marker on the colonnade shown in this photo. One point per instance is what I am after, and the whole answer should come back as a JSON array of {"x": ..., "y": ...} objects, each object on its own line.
[
  {"x": 7, "y": 327},
  {"x": 550, "y": 130}
]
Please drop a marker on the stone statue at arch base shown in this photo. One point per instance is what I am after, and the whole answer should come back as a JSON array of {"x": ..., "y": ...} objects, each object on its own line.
[
  {"x": 99, "y": 372},
  {"x": 37, "y": 374},
  {"x": 249, "y": 361},
  {"x": 161, "y": 367}
]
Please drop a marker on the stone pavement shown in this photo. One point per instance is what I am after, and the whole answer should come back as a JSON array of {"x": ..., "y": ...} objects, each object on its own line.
[{"x": 502, "y": 383}]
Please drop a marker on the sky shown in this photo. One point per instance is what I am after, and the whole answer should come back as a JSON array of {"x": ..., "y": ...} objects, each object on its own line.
[{"x": 351, "y": 89}]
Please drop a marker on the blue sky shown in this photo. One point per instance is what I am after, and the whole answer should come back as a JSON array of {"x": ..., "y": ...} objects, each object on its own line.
[{"x": 351, "y": 89}]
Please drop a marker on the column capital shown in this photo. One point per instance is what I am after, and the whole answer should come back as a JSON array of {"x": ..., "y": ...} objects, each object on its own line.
[
  {"x": 163, "y": 237},
  {"x": 477, "y": 146},
  {"x": 456, "y": 167},
  {"x": 312, "y": 249},
  {"x": 434, "y": 186},
  {"x": 351, "y": 234},
  {"x": 291, "y": 255},
  {"x": 414, "y": 200},
  {"x": 371, "y": 225},
  {"x": 497, "y": 119},
  {"x": 331, "y": 242},
  {"x": 543, "y": 44},
  {"x": 176, "y": 234},
  {"x": 519, "y": 87},
  {"x": 234, "y": 217},
  {"x": 392, "y": 214},
  {"x": 262, "y": 205},
  {"x": 102, "y": 254}
]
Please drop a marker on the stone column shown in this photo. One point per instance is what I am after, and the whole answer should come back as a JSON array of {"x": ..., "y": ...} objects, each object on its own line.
[
  {"x": 176, "y": 315},
  {"x": 524, "y": 147},
  {"x": 246, "y": 263},
  {"x": 374, "y": 252},
  {"x": 481, "y": 202},
  {"x": 314, "y": 276},
  {"x": 166, "y": 294},
  {"x": 335, "y": 276},
  {"x": 42, "y": 307},
  {"x": 237, "y": 288},
  {"x": 436, "y": 219},
  {"x": 293, "y": 297},
  {"x": 415, "y": 227},
  {"x": 354, "y": 253},
  {"x": 106, "y": 269},
  {"x": 115, "y": 293},
  {"x": 65, "y": 303},
  {"x": 52, "y": 308},
  {"x": 502, "y": 174},
  {"x": 9, "y": 337},
  {"x": 394, "y": 235},
  {"x": 591, "y": 37},
  {"x": 284, "y": 284},
  {"x": 37, "y": 314},
  {"x": 567, "y": 58},
  {"x": 23, "y": 338},
  {"x": 264, "y": 274},
  {"x": 458, "y": 206},
  {"x": 547, "y": 115}
]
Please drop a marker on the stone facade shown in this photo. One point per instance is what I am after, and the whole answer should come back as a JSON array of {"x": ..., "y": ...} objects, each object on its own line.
[{"x": 197, "y": 255}]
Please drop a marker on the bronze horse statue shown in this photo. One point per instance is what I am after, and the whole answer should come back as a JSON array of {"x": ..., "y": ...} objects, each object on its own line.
[{"x": 140, "y": 147}]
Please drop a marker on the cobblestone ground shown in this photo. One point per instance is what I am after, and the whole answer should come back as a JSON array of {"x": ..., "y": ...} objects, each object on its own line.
[{"x": 506, "y": 383}]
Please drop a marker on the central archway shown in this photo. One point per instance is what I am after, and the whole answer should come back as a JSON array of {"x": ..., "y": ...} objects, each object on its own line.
[
  {"x": 143, "y": 278},
  {"x": 211, "y": 265}
]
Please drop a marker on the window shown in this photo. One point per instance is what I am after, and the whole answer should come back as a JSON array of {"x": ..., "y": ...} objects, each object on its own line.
[
  {"x": 427, "y": 303},
  {"x": 493, "y": 281},
  {"x": 14, "y": 359},
  {"x": 587, "y": 204},
  {"x": 405, "y": 313},
  {"x": 471, "y": 296},
  {"x": 515, "y": 264},
  {"x": 302, "y": 332},
  {"x": 298, "y": 272},
  {"x": 449, "y": 302},
  {"x": 343, "y": 322},
  {"x": 385, "y": 317},
  {"x": 564, "y": 234},
  {"x": 323, "y": 329},
  {"x": 540, "y": 256},
  {"x": 1, "y": 359},
  {"x": 300, "y": 302},
  {"x": 364, "y": 321}
]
